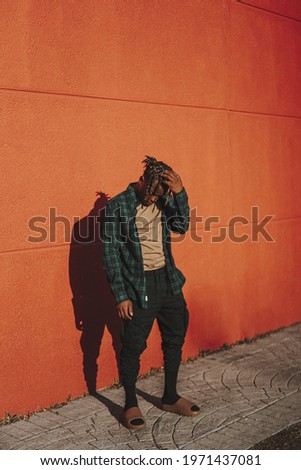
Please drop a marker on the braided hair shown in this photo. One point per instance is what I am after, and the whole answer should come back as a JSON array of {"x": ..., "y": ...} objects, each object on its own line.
[{"x": 153, "y": 171}]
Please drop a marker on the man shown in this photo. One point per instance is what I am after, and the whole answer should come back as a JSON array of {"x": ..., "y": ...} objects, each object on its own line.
[{"x": 145, "y": 281}]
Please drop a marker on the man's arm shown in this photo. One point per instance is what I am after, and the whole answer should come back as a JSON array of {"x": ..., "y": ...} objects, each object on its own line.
[
  {"x": 178, "y": 212},
  {"x": 111, "y": 239},
  {"x": 177, "y": 209}
]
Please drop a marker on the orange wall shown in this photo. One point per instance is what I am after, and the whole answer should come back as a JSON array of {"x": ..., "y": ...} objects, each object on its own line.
[{"x": 212, "y": 87}]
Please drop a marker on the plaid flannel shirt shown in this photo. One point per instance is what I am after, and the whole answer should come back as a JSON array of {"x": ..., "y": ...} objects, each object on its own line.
[{"x": 121, "y": 247}]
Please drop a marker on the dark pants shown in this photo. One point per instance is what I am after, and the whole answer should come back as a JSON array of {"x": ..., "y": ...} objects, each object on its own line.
[{"x": 172, "y": 316}]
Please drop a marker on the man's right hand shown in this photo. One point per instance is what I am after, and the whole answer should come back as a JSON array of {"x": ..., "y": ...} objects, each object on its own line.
[{"x": 125, "y": 310}]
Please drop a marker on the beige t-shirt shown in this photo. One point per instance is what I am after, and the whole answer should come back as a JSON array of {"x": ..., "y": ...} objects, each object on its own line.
[{"x": 149, "y": 230}]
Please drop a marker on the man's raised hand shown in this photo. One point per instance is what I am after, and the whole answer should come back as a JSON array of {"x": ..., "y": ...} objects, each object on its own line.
[{"x": 173, "y": 180}]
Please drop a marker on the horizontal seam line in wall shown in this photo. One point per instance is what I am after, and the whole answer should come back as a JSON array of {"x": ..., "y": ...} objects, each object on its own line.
[
  {"x": 26, "y": 250},
  {"x": 243, "y": 2},
  {"x": 67, "y": 244},
  {"x": 149, "y": 102}
]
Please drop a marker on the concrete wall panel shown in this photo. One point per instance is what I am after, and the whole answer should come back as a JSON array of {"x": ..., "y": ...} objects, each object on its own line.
[
  {"x": 67, "y": 149},
  {"x": 159, "y": 51},
  {"x": 264, "y": 62}
]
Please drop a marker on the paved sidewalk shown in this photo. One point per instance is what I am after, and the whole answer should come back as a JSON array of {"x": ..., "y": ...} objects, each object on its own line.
[{"x": 247, "y": 393}]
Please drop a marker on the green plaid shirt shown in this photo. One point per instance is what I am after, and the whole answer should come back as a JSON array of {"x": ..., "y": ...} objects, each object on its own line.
[{"x": 122, "y": 253}]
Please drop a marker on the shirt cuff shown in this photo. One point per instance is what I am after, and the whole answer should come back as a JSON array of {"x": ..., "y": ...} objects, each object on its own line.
[
  {"x": 121, "y": 297},
  {"x": 181, "y": 194}
]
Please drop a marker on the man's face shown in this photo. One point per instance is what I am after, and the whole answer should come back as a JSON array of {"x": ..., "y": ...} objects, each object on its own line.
[{"x": 155, "y": 192}]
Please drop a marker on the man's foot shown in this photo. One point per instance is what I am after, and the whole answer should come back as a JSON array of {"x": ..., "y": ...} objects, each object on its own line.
[
  {"x": 182, "y": 407},
  {"x": 133, "y": 418}
]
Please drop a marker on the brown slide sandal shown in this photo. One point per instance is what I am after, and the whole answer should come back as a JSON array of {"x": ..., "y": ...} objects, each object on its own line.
[
  {"x": 133, "y": 418},
  {"x": 182, "y": 407}
]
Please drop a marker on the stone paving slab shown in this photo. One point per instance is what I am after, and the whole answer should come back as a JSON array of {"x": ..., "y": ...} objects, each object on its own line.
[{"x": 247, "y": 394}]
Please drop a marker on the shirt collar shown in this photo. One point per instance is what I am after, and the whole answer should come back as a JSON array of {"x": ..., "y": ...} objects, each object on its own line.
[{"x": 133, "y": 196}]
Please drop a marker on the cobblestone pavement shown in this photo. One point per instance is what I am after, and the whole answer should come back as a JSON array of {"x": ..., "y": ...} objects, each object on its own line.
[{"x": 247, "y": 393}]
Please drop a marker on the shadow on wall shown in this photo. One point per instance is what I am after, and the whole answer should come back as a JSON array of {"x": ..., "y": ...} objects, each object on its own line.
[{"x": 93, "y": 303}]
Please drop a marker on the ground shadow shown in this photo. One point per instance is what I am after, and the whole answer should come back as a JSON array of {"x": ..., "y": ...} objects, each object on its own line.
[
  {"x": 115, "y": 409},
  {"x": 155, "y": 401},
  {"x": 93, "y": 303}
]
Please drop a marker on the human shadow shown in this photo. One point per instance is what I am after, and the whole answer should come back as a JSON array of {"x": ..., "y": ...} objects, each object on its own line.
[
  {"x": 115, "y": 409},
  {"x": 93, "y": 303},
  {"x": 155, "y": 401}
]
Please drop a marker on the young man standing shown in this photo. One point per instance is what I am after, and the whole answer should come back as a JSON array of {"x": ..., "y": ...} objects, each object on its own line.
[{"x": 145, "y": 281}]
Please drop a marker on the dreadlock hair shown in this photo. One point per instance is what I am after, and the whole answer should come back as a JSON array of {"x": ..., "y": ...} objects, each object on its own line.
[{"x": 153, "y": 170}]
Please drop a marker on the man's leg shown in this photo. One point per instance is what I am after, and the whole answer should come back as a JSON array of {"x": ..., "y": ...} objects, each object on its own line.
[
  {"x": 134, "y": 334},
  {"x": 173, "y": 322}
]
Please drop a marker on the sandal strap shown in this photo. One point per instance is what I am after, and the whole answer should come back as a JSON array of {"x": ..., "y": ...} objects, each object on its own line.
[
  {"x": 133, "y": 413},
  {"x": 182, "y": 406}
]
